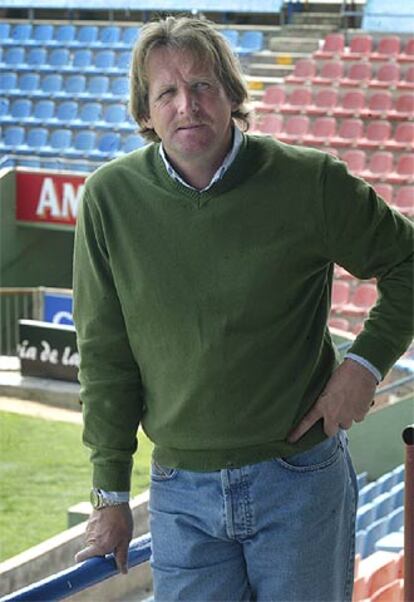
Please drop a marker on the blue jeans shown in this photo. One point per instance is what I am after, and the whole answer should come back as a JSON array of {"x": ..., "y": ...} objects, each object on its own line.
[{"x": 280, "y": 530}]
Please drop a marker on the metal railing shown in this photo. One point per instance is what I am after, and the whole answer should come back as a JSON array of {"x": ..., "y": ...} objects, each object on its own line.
[
  {"x": 17, "y": 303},
  {"x": 81, "y": 576}
]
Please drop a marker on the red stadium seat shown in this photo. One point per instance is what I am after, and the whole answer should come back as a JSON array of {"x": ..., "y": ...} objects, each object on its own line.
[
  {"x": 349, "y": 132},
  {"x": 360, "y": 47},
  {"x": 377, "y": 134},
  {"x": 378, "y": 105},
  {"x": 340, "y": 294},
  {"x": 379, "y": 167},
  {"x": 404, "y": 200},
  {"x": 330, "y": 72},
  {"x": 403, "y": 137},
  {"x": 404, "y": 172},
  {"x": 355, "y": 160},
  {"x": 385, "y": 191},
  {"x": 388, "y": 48},
  {"x": 338, "y": 323},
  {"x": 303, "y": 72},
  {"x": 351, "y": 104},
  {"x": 404, "y": 107},
  {"x": 382, "y": 575},
  {"x": 362, "y": 300},
  {"x": 388, "y": 75},
  {"x": 270, "y": 124},
  {"x": 324, "y": 101},
  {"x": 407, "y": 80},
  {"x": 272, "y": 98},
  {"x": 321, "y": 132},
  {"x": 393, "y": 592},
  {"x": 333, "y": 45},
  {"x": 359, "y": 74},
  {"x": 295, "y": 128},
  {"x": 297, "y": 101},
  {"x": 407, "y": 55}
]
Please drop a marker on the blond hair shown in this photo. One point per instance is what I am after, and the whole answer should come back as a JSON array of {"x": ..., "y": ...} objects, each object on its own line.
[{"x": 201, "y": 39}]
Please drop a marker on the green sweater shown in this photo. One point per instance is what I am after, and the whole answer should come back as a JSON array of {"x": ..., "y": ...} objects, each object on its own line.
[{"x": 203, "y": 316}]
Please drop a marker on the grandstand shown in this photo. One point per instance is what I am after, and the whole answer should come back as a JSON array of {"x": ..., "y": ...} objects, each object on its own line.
[{"x": 336, "y": 76}]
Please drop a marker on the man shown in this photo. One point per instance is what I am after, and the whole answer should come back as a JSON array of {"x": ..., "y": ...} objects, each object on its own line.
[{"x": 203, "y": 270}]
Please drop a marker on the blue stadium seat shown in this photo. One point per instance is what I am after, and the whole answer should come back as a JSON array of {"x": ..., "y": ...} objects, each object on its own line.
[
  {"x": 108, "y": 145},
  {"x": 43, "y": 33},
  {"x": 395, "y": 520},
  {"x": 365, "y": 516},
  {"x": 66, "y": 112},
  {"x": 83, "y": 143},
  {"x": 60, "y": 140},
  {"x": 86, "y": 35},
  {"x": 20, "y": 110},
  {"x": 232, "y": 37},
  {"x": 74, "y": 85},
  {"x": 12, "y": 138},
  {"x": 250, "y": 41},
  {"x": 43, "y": 111},
  {"x": 383, "y": 505},
  {"x": 14, "y": 57},
  {"x": 5, "y": 33},
  {"x": 8, "y": 81},
  {"x": 36, "y": 140},
  {"x": 398, "y": 494},
  {"x": 58, "y": 59},
  {"x": 97, "y": 86},
  {"x": 4, "y": 107},
  {"x": 132, "y": 142},
  {"x": 28, "y": 83},
  {"x": 122, "y": 61},
  {"x": 21, "y": 32},
  {"x": 82, "y": 59},
  {"x": 398, "y": 473},
  {"x": 36, "y": 57},
  {"x": 89, "y": 114},
  {"x": 109, "y": 35},
  {"x": 362, "y": 480},
  {"x": 374, "y": 532},
  {"x": 65, "y": 34},
  {"x": 104, "y": 60},
  {"x": 52, "y": 83},
  {"x": 385, "y": 482},
  {"x": 129, "y": 36},
  {"x": 360, "y": 541},
  {"x": 119, "y": 87},
  {"x": 392, "y": 542},
  {"x": 114, "y": 116},
  {"x": 367, "y": 493}
]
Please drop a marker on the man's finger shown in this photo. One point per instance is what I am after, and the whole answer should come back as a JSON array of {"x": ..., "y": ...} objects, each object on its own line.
[
  {"x": 121, "y": 558},
  {"x": 307, "y": 422},
  {"x": 88, "y": 552}
]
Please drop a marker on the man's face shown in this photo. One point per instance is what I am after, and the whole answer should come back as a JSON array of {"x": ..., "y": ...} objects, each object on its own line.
[{"x": 188, "y": 108}]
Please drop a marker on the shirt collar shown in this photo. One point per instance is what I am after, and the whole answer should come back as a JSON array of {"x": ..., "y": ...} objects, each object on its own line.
[{"x": 228, "y": 160}]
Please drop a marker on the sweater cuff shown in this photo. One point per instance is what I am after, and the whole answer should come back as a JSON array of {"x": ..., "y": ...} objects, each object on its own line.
[
  {"x": 112, "y": 476},
  {"x": 361, "y": 360}
]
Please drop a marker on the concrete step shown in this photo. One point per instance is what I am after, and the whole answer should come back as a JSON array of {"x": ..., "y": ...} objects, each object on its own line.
[
  {"x": 268, "y": 70},
  {"x": 293, "y": 44},
  {"x": 307, "y": 31},
  {"x": 278, "y": 58},
  {"x": 310, "y": 18},
  {"x": 257, "y": 85}
]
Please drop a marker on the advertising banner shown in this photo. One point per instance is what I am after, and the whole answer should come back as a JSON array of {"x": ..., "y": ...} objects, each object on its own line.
[
  {"x": 48, "y": 199},
  {"x": 57, "y": 308}
]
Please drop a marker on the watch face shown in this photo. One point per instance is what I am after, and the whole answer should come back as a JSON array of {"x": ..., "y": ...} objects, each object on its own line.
[{"x": 95, "y": 498}]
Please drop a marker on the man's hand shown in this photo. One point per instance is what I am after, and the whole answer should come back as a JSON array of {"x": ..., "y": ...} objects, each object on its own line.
[
  {"x": 347, "y": 397},
  {"x": 109, "y": 530}
]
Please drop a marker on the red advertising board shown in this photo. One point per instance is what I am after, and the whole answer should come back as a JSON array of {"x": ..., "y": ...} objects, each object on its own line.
[{"x": 48, "y": 198}]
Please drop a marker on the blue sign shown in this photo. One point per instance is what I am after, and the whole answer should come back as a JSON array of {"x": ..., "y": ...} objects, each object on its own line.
[{"x": 57, "y": 308}]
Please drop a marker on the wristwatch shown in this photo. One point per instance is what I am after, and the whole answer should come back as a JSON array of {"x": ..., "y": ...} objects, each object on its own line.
[{"x": 100, "y": 499}]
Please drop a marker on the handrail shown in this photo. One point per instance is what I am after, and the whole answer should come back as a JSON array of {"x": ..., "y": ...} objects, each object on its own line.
[
  {"x": 408, "y": 438},
  {"x": 81, "y": 576}
]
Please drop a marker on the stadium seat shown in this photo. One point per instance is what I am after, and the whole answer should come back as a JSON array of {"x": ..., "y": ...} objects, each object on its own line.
[
  {"x": 86, "y": 35},
  {"x": 12, "y": 137},
  {"x": 104, "y": 61},
  {"x": 377, "y": 135},
  {"x": 303, "y": 72},
  {"x": 108, "y": 145},
  {"x": 96, "y": 86},
  {"x": 340, "y": 294},
  {"x": 404, "y": 170},
  {"x": 8, "y": 81},
  {"x": 119, "y": 87},
  {"x": 399, "y": 474},
  {"x": 361, "y": 476},
  {"x": 407, "y": 54},
  {"x": 349, "y": 132},
  {"x": 387, "y": 76},
  {"x": 122, "y": 61},
  {"x": 59, "y": 141},
  {"x": 365, "y": 516},
  {"x": 407, "y": 80},
  {"x": 114, "y": 116},
  {"x": 378, "y": 105},
  {"x": 403, "y": 139},
  {"x": 73, "y": 85},
  {"x": 294, "y": 129},
  {"x": 43, "y": 111},
  {"x": 89, "y": 114},
  {"x": 382, "y": 575},
  {"x": 83, "y": 143},
  {"x": 28, "y": 83},
  {"x": 392, "y": 592},
  {"x": 109, "y": 35},
  {"x": 339, "y": 323},
  {"x": 4, "y": 107},
  {"x": 374, "y": 532},
  {"x": 355, "y": 160},
  {"x": 65, "y": 34},
  {"x": 351, "y": 104},
  {"x": 36, "y": 139},
  {"x": 324, "y": 102},
  {"x": 329, "y": 74},
  {"x": 272, "y": 98},
  {"x": 395, "y": 520},
  {"x": 5, "y": 30},
  {"x": 65, "y": 113},
  {"x": 232, "y": 37},
  {"x": 404, "y": 200},
  {"x": 383, "y": 505},
  {"x": 333, "y": 45},
  {"x": 385, "y": 191},
  {"x": 20, "y": 110},
  {"x": 43, "y": 33},
  {"x": 58, "y": 59},
  {"x": 297, "y": 101},
  {"x": 404, "y": 107},
  {"x": 82, "y": 59},
  {"x": 358, "y": 74},
  {"x": 21, "y": 33},
  {"x": 271, "y": 124},
  {"x": 132, "y": 142},
  {"x": 129, "y": 36},
  {"x": 359, "y": 48},
  {"x": 388, "y": 48},
  {"x": 36, "y": 57},
  {"x": 321, "y": 131},
  {"x": 362, "y": 300},
  {"x": 250, "y": 42},
  {"x": 380, "y": 165},
  {"x": 14, "y": 57}
]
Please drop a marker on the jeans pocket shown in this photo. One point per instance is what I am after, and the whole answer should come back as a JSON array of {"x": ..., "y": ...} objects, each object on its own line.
[
  {"x": 320, "y": 456},
  {"x": 162, "y": 473}
]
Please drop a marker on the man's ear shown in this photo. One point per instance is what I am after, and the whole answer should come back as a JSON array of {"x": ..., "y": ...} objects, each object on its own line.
[{"x": 147, "y": 121}]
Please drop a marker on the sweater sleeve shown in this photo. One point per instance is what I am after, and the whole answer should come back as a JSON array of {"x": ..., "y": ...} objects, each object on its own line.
[
  {"x": 111, "y": 390},
  {"x": 371, "y": 240}
]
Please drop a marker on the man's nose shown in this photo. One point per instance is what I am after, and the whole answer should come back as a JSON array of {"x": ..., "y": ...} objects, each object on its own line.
[{"x": 187, "y": 102}]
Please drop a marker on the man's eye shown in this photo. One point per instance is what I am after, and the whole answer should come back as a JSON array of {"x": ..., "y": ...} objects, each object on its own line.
[
  {"x": 202, "y": 86},
  {"x": 166, "y": 93}
]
